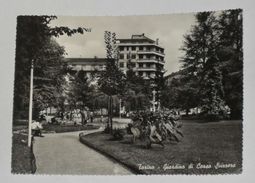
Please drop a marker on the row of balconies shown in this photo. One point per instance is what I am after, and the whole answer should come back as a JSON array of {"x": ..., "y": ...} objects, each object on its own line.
[
  {"x": 149, "y": 51},
  {"x": 140, "y": 47},
  {"x": 88, "y": 67},
  {"x": 146, "y": 69},
  {"x": 141, "y": 57}
]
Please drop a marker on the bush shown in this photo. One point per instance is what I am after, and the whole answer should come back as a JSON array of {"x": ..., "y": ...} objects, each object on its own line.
[
  {"x": 107, "y": 129},
  {"x": 118, "y": 134},
  {"x": 212, "y": 117}
]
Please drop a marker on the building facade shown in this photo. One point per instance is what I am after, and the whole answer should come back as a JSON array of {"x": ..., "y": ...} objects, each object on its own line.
[
  {"x": 89, "y": 65},
  {"x": 144, "y": 55}
]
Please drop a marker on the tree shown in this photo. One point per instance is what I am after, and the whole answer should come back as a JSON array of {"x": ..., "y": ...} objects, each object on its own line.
[
  {"x": 137, "y": 90},
  {"x": 202, "y": 63},
  {"x": 34, "y": 44},
  {"x": 230, "y": 53},
  {"x": 112, "y": 80},
  {"x": 181, "y": 92},
  {"x": 80, "y": 94},
  {"x": 159, "y": 82},
  {"x": 81, "y": 90},
  {"x": 49, "y": 80}
]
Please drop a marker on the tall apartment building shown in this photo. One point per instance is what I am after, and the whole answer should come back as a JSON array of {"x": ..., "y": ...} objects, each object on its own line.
[{"x": 144, "y": 55}]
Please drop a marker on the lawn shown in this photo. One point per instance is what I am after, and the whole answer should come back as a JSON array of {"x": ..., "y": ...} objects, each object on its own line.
[
  {"x": 204, "y": 145},
  {"x": 23, "y": 161}
]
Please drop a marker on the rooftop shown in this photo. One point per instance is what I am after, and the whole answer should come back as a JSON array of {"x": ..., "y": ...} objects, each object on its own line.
[
  {"x": 86, "y": 61},
  {"x": 138, "y": 38}
]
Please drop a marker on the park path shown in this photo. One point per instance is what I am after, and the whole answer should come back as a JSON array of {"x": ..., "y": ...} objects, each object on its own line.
[{"x": 62, "y": 153}]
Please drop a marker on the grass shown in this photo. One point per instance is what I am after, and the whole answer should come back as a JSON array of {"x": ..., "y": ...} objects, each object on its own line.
[
  {"x": 23, "y": 161},
  {"x": 205, "y": 143},
  {"x": 69, "y": 128}
]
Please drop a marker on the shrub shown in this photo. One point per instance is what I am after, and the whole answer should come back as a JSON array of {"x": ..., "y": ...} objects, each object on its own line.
[{"x": 118, "y": 134}]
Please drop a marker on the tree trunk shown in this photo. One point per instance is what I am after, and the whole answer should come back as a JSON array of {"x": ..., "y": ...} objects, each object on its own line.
[
  {"x": 111, "y": 110},
  {"x": 109, "y": 116},
  {"x": 187, "y": 112}
]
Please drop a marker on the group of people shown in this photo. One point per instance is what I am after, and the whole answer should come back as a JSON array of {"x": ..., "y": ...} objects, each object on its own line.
[
  {"x": 77, "y": 116},
  {"x": 156, "y": 126}
]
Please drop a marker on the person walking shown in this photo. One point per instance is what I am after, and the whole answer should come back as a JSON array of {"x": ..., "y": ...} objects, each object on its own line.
[
  {"x": 82, "y": 116},
  {"x": 91, "y": 117}
]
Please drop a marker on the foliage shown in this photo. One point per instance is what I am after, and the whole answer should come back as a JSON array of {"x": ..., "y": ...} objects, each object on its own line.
[
  {"x": 81, "y": 91},
  {"x": 212, "y": 104},
  {"x": 112, "y": 80},
  {"x": 180, "y": 93},
  {"x": 118, "y": 134},
  {"x": 34, "y": 44},
  {"x": 213, "y": 60},
  {"x": 156, "y": 127},
  {"x": 137, "y": 91},
  {"x": 49, "y": 80},
  {"x": 231, "y": 55}
]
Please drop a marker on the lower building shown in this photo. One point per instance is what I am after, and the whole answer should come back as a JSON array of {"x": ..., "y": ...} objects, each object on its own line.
[{"x": 89, "y": 65}]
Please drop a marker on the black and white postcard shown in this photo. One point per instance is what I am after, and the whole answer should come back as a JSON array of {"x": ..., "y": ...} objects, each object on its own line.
[{"x": 111, "y": 95}]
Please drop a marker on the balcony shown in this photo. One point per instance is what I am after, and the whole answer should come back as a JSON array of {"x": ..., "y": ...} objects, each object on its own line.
[
  {"x": 146, "y": 69},
  {"x": 151, "y": 60},
  {"x": 151, "y": 51}
]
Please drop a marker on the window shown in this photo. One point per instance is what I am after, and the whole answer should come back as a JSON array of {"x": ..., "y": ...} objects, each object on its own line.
[
  {"x": 140, "y": 48},
  {"x": 133, "y": 48},
  {"x": 121, "y": 64},
  {"x": 121, "y": 48},
  {"x": 132, "y": 64},
  {"x": 133, "y": 56},
  {"x": 121, "y": 56},
  {"x": 140, "y": 56}
]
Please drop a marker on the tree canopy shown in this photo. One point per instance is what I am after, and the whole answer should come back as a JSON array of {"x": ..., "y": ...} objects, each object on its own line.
[
  {"x": 35, "y": 44},
  {"x": 211, "y": 75}
]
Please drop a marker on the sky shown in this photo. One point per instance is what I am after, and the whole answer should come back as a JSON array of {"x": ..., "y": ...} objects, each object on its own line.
[{"x": 169, "y": 29}]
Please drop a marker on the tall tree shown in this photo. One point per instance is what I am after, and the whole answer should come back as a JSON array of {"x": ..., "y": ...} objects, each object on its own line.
[
  {"x": 112, "y": 80},
  {"x": 230, "y": 53},
  {"x": 34, "y": 45},
  {"x": 49, "y": 76},
  {"x": 201, "y": 62}
]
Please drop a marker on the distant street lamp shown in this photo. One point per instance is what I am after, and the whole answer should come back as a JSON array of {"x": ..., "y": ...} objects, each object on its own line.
[
  {"x": 120, "y": 107},
  {"x": 154, "y": 100}
]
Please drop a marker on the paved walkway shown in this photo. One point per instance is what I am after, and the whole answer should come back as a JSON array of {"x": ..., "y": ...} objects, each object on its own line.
[{"x": 63, "y": 153}]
